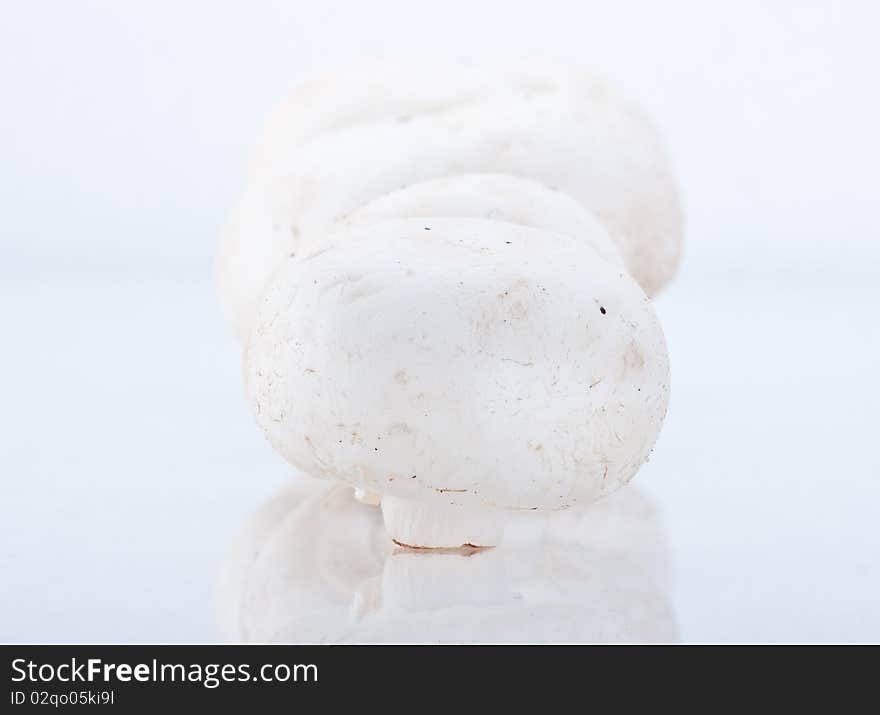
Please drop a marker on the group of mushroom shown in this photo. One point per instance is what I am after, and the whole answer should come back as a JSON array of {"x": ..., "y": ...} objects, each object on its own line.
[{"x": 440, "y": 278}]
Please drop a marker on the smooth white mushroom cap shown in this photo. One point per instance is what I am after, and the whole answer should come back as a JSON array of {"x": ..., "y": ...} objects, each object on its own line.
[
  {"x": 561, "y": 130},
  {"x": 460, "y": 362},
  {"x": 494, "y": 197},
  {"x": 381, "y": 90}
]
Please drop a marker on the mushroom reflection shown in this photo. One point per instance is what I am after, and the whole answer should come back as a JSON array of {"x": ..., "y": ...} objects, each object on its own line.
[{"x": 314, "y": 565}]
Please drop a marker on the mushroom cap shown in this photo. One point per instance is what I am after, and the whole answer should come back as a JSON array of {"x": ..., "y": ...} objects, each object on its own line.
[
  {"x": 495, "y": 197},
  {"x": 471, "y": 362},
  {"x": 386, "y": 90},
  {"x": 349, "y": 147}
]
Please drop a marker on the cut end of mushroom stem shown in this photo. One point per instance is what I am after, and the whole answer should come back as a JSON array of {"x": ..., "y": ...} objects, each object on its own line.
[
  {"x": 427, "y": 525},
  {"x": 367, "y": 497}
]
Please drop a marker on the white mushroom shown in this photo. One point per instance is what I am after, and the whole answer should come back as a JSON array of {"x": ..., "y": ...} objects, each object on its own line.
[
  {"x": 349, "y": 140},
  {"x": 439, "y": 274},
  {"x": 459, "y": 367},
  {"x": 377, "y": 91}
]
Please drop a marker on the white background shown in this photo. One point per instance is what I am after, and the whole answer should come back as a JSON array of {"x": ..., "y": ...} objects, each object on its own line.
[{"x": 128, "y": 457}]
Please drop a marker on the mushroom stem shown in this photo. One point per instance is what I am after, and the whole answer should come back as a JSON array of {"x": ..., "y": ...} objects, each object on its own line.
[
  {"x": 430, "y": 525},
  {"x": 367, "y": 497}
]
